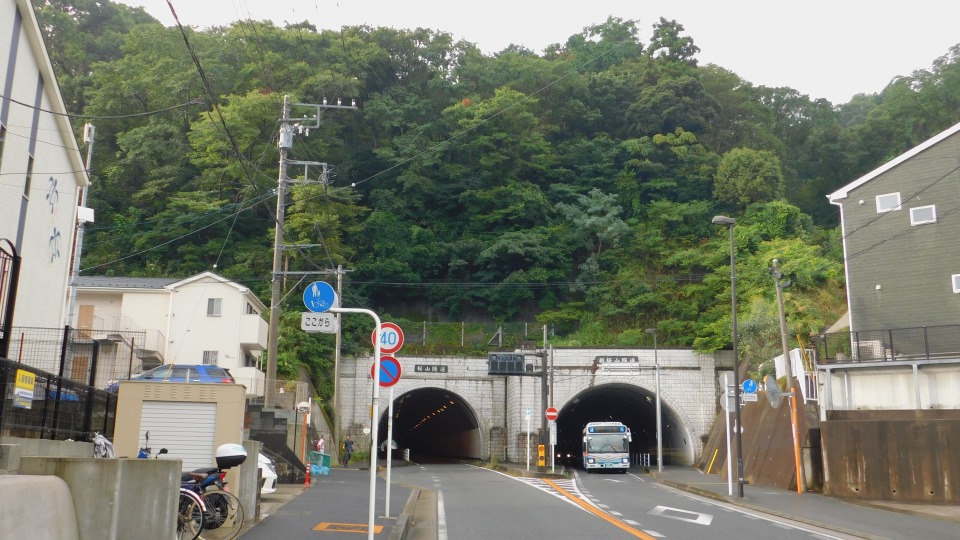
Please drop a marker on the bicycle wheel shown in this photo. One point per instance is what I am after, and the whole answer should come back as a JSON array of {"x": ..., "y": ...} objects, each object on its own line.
[
  {"x": 224, "y": 516},
  {"x": 189, "y": 518}
]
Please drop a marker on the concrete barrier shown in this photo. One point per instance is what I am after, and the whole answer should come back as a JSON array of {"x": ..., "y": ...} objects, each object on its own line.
[
  {"x": 114, "y": 499},
  {"x": 37, "y": 507}
]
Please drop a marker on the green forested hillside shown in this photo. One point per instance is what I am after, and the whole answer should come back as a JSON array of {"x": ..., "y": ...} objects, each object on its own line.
[{"x": 573, "y": 188}]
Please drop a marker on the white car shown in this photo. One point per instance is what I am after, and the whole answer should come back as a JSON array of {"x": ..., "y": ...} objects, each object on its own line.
[{"x": 268, "y": 475}]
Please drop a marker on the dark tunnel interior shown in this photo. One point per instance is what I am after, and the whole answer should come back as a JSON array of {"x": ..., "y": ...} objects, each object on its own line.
[{"x": 433, "y": 422}]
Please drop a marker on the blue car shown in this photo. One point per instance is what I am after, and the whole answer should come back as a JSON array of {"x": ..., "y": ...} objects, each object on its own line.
[{"x": 201, "y": 373}]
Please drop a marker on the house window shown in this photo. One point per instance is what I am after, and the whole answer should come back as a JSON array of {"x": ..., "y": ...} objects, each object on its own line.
[
  {"x": 888, "y": 202},
  {"x": 923, "y": 214},
  {"x": 213, "y": 306},
  {"x": 210, "y": 358},
  {"x": 250, "y": 310},
  {"x": 956, "y": 283}
]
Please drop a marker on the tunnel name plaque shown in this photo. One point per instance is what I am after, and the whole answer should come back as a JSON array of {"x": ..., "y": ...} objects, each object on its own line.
[
  {"x": 429, "y": 368},
  {"x": 617, "y": 359}
]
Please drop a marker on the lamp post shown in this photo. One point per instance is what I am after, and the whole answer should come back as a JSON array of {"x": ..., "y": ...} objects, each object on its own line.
[
  {"x": 656, "y": 362},
  {"x": 730, "y": 223}
]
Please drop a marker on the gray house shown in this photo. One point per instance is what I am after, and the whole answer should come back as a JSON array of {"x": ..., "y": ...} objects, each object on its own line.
[
  {"x": 890, "y": 387},
  {"x": 901, "y": 224}
]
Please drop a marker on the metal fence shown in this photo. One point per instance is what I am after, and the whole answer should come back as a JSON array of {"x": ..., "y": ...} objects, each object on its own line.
[
  {"x": 422, "y": 337},
  {"x": 88, "y": 356},
  {"x": 57, "y": 408},
  {"x": 925, "y": 342}
]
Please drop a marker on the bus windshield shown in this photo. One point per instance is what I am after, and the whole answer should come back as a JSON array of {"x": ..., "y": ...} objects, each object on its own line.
[{"x": 607, "y": 442}]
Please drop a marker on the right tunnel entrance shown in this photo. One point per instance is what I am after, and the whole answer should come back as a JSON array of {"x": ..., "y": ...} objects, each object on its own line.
[{"x": 635, "y": 407}]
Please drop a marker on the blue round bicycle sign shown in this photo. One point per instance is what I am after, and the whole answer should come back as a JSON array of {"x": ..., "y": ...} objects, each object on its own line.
[{"x": 319, "y": 296}]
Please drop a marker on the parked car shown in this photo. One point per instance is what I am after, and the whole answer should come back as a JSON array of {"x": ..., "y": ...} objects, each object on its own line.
[
  {"x": 202, "y": 373},
  {"x": 268, "y": 474}
]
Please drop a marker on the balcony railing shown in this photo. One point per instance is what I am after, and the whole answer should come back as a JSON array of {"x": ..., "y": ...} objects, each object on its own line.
[{"x": 920, "y": 343}]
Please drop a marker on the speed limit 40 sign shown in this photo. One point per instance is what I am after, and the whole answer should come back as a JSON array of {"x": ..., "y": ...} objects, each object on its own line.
[{"x": 391, "y": 338}]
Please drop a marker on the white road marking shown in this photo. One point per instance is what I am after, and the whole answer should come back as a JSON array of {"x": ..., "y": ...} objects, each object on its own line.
[
  {"x": 682, "y": 515},
  {"x": 441, "y": 518}
]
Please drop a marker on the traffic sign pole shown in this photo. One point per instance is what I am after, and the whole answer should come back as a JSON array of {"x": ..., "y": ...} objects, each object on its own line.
[{"x": 374, "y": 410}]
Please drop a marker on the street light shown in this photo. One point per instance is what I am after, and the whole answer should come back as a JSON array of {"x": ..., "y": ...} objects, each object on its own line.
[
  {"x": 730, "y": 223},
  {"x": 656, "y": 362}
]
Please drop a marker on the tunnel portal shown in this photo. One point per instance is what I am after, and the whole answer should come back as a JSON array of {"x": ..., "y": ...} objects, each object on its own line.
[{"x": 433, "y": 423}]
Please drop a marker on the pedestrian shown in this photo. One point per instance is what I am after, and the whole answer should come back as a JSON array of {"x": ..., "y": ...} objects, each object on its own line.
[
  {"x": 321, "y": 445},
  {"x": 347, "y": 450}
]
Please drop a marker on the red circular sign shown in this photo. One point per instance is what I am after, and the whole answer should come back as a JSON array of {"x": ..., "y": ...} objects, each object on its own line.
[
  {"x": 552, "y": 413},
  {"x": 389, "y": 371},
  {"x": 391, "y": 338}
]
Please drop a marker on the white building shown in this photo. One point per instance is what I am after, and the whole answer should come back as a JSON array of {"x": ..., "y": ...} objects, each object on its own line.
[
  {"x": 203, "y": 319},
  {"x": 42, "y": 173}
]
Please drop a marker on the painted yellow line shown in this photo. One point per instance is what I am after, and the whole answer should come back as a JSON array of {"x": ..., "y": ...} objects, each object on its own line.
[{"x": 600, "y": 513}]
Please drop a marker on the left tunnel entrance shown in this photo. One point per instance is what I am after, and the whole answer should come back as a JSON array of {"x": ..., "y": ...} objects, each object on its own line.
[{"x": 433, "y": 422}]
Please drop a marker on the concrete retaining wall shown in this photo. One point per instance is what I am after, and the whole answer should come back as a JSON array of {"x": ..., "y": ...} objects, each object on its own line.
[
  {"x": 882, "y": 455},
  {"x": 37, "y": 507},
  {"x": 113, "y": 499}
]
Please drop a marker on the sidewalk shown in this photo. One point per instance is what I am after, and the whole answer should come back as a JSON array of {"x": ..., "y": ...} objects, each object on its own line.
[
  {"x": 866, "y": 519},
  {"x": 338, "y": 503}
]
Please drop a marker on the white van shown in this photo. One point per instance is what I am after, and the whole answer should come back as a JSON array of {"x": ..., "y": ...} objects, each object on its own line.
[{"x": 268, "y": 475}]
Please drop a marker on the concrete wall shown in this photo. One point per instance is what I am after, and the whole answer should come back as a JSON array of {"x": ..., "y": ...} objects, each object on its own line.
[
  {"x": 902, "y": 456},
  {"x": 22, "y": 517},
  {"x": 115, "y": 499},
  {"x": 890, "y": 386}
]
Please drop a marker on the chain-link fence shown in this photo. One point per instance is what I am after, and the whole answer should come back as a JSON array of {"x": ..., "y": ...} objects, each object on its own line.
[{"x": 439, "y": 338}]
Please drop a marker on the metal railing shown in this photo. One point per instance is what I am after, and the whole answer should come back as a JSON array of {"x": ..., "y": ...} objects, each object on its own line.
[
  {"x": 923, "y": 343},
  {"x": 59, "y": 408}
]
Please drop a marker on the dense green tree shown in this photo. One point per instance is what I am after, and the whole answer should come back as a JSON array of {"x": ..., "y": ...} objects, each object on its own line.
[{"x": 746, "y": 176}]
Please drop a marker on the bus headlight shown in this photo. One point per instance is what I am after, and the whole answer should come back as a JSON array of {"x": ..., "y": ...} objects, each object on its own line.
[
  {"x": 591, "y": 461},
  {"x": 625, "y": 461}
]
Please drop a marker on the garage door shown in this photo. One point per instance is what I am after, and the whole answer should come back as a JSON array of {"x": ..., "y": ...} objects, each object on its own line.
[{"x": 185, "y": 429}]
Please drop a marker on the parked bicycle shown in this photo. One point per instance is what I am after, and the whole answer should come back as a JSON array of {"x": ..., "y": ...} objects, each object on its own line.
[{"x": 223, "y": 514}]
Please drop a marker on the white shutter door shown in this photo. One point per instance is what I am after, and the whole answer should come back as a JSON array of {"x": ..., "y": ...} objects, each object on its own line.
[{"x": 184, "y": 428}]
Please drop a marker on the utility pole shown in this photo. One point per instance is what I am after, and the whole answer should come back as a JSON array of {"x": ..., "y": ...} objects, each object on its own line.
[
  {"x": 788, "y": 369},
  {"x": 285, "y": 143},
  {"x": 544, "y": 436}
]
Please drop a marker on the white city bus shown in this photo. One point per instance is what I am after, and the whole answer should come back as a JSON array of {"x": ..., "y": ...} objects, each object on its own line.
[{"x": 606, "y": 446}]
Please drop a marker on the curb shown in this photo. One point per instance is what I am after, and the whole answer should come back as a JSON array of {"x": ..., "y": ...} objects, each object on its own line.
[{"x": 400, "y": 530}]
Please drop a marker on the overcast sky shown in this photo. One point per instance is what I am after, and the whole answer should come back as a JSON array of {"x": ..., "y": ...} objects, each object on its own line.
[{"x": 826, "y": 49}]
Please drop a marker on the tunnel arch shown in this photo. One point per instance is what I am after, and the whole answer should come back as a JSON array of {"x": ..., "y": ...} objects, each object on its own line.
[
  {"x": 434, "y": 422},
  {"x": 633, "y": 405}
]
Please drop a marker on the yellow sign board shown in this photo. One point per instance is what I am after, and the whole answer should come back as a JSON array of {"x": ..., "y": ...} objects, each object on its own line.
[{"x": 23, "y": 389}]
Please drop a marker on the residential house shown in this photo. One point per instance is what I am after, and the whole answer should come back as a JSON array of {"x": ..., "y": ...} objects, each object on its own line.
[
  {"x": 203, "y": 319},
  {"x": 890, "y": 387},
  {"x": 42, "y": 170}
]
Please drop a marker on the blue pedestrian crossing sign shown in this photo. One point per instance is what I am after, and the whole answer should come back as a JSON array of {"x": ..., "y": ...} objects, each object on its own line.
[
  {"x": 319, "y": 296},
  {"x": 750, "y": 386}
]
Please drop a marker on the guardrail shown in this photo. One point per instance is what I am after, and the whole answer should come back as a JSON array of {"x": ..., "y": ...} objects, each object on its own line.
[{"x": 924, "y": 343}]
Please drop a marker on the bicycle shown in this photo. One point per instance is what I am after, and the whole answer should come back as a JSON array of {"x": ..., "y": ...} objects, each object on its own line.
[{"x": 190, "y": 515}]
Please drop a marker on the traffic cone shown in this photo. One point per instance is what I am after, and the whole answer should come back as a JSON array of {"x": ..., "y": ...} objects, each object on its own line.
[{"x": 306, "y": 477}]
